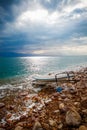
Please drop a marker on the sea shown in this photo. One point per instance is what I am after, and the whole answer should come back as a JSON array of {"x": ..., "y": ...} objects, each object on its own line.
[{"x": 19, "y": 71}]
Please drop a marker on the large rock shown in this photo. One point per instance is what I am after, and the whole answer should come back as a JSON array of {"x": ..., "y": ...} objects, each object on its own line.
[
  {"x": 82, "y": 127},
  {"x": 73, "y": 117}
]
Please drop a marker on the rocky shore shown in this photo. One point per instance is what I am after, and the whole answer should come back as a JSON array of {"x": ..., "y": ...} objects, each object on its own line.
[{"x": 49, "y": 109}]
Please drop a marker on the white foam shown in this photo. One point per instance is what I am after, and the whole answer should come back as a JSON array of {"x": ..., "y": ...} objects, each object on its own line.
[{"x": 7, "y": 86}]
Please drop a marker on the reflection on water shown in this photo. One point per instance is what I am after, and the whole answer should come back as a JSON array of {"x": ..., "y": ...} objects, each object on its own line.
[
  {"x": 26, "y": 66},
  {"x": 36, "y": 63}
]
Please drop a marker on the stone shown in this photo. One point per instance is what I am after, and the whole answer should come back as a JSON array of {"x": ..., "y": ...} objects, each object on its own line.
[
  {"x": 61, "y": 106},
  {"x": 2, "y": 105},
  {"x": 19, "y": 128},
  {"x": 73, "y": 117},
  {"x": 84, "y": 102},
  {"x": 84, "y": 111},
  {"x": 20, "y": 124},
  {"x": 8, "y": 115},
  {"x": 23, "y": 94},
  {"x": 60, "y": 126},
  {"x": 46, "y": 126},
  {"x": 56, "y": 111},
  {"x": 52, "y": 122},
  {"x": 82, "y": 127},
  {"x": 37, "y": 126}
]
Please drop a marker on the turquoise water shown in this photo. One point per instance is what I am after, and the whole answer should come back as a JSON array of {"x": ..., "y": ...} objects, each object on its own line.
[{"x": 26, "y": 66}]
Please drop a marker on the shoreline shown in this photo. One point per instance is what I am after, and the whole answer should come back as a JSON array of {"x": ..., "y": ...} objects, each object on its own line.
[{"x": 44, "y": 107}]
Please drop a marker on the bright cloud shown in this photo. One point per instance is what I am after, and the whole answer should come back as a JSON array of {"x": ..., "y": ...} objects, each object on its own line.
[{"x": 46, "y": 27}]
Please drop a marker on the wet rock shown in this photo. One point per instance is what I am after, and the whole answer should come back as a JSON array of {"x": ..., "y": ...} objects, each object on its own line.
[
  {"x": 2, "y": 105},
  {"x": 37, "y": 126},
  {"x": 19, "y": 128},
  {"x": 82, "y": 127},
  {"x": 73, "y": 117}
]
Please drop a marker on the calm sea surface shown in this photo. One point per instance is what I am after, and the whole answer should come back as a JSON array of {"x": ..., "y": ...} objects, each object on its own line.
[{"x": 27, "y": 66}]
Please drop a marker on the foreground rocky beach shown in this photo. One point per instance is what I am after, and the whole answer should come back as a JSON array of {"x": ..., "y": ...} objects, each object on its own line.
[{"x": 62, "y": 107}]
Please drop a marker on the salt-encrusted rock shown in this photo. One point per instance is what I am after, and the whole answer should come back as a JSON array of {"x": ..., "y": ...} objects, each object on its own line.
[
  {"x": 82, "y": 127},
  {"x": 73, "y": 117},
  {"x": 19, "y": 128},
  {"x": 2, "y": 105},
  {"x": 37, "y": 126}
]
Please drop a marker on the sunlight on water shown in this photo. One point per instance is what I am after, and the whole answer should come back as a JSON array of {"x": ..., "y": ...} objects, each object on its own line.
[
  {"x": 36, "y": 63},
  {"x": 38, "y": 60},
  {"x": 27, "y": 66}
]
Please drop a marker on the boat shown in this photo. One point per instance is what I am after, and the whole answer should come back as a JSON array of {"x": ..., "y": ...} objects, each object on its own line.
[{"x": 49, "y": 78}]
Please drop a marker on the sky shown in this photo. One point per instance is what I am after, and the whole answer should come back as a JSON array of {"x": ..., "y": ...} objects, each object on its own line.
[{"x": 43, "y": 27}]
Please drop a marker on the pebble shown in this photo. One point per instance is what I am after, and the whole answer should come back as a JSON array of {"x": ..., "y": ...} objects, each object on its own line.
[
  {"x": 82, "y": 127},
  {"x": 73, "y": 118},
  {"x": 56, "y": 111},
  {"x": 2, "y": 105},
  {"x": 61, "y": 106}
]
